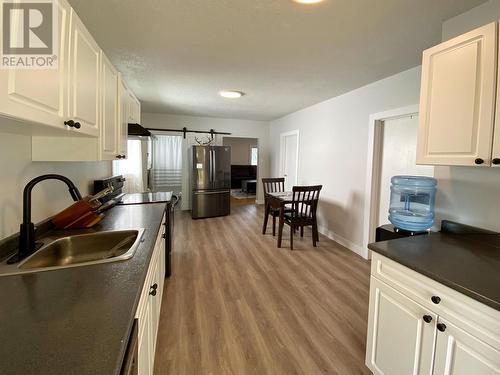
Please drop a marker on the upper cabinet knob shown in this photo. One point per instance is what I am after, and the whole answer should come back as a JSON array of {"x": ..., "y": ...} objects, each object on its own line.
[
  {"x": 77, "y": 125},
  {"x": 479, "y": 161},
  {"x": 496, "y": 161},
  {"x": 435, "y": 299}
]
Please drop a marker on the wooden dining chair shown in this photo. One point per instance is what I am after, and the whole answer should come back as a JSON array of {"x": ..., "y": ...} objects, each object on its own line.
[
  {"x": 304, "y": 205},
  {"x": 271, "y": 185}
]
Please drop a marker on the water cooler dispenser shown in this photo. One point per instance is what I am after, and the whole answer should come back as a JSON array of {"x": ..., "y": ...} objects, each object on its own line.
[{"x": 411, "y": 210}]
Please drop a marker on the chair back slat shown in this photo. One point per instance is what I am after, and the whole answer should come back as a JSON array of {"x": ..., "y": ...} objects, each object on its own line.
[
  {"x": 305, "y": 201},
  {"x": 273, "y": 185}
]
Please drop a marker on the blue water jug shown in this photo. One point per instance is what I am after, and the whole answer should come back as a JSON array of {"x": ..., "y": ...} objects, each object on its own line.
[{"x": 412, "y": 202}]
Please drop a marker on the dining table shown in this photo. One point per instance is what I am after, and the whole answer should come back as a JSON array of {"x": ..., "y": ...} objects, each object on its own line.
[{"x": 278, "y": 200}]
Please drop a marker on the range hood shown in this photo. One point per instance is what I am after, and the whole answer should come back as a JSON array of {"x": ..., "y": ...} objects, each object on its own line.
[{"x": 138, "y": 130}]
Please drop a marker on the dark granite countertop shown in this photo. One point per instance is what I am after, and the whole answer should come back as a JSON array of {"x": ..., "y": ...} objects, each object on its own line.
[
  {"x": 468, "y": 263},
  {"x": 77, "y": 320}
]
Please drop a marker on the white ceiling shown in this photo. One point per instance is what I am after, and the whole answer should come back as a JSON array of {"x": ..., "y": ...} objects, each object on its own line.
[{"x": 177, "y": 54}]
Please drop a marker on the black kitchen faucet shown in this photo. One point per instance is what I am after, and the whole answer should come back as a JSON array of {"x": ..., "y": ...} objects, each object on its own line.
[{"x": 27, "y": 245}]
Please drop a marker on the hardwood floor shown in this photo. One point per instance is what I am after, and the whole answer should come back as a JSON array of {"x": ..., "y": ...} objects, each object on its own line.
[
  {"x": 235, "y": 202},
  {"x": 236, "y": 304}
]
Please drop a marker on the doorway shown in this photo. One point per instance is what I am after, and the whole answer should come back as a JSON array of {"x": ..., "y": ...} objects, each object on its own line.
[
  {"x": 391, "y": 151},
  {"x": 289, "y": 158},
  {"x": 244, "y": 169},
  {"x": 398, "y": 157}
]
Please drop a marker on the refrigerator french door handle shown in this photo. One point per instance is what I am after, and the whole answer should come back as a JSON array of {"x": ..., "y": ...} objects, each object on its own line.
[
  {"x": 210, "y": 168},
  {"x": 213, "y": 167}
]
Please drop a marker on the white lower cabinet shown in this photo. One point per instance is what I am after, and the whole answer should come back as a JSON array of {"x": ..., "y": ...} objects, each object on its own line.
[
  {"x": 401, "y": 340},
  {"x": 148, "y": 310},
  {"x": 410, "y": 331},
  {"x": 460, "y": 353},
  {"x": 144, "y": 361}
]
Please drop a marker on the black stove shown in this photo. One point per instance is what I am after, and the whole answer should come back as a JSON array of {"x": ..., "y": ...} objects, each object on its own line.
[
  {"x": 119, "y": 198},
  {"x": 145, "y": 198}
]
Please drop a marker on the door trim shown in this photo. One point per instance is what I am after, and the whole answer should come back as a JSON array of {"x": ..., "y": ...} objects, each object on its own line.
[
  {"x": 282, "y": 151},
  {"x": 372, "y": 182}
]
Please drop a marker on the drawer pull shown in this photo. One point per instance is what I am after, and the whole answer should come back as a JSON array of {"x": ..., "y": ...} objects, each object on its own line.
[
  {"x": 154, "y": 287},
  {"x": 441, "y": 327},
  {"x": 435, "y": 300},
  {"x": 427, "y": 318}
]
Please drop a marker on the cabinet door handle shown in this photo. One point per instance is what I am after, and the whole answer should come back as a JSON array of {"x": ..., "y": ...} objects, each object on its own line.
[
  {"x": 496, "y": 161},
  {"x": 435, "y": 300},
  {"x": 427, "y": 318},
  {"x": 73, "y": 124},
  {"x": 441, "y": 327},
  {"x": 479, "y": 161}
]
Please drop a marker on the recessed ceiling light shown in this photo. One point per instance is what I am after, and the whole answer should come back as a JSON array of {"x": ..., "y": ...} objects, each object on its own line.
[
  {"x": 308, "y": 1},
  {"x": 231, "y": 94}
]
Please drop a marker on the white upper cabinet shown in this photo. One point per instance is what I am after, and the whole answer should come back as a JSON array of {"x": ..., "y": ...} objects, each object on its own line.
[
  {"x": 110, "y": 126},
  {"x": 495, "y": 155},
  {"x": 85, "y": 95},
  {"x": 84, "y": 77},
  {"x": 124, "y": 109},
  {"x": 457, "y": 100},
  {"x": 39, "y": 95},
  {"x": 84, "y": 100},
  {"x": 135, "y": 109}
]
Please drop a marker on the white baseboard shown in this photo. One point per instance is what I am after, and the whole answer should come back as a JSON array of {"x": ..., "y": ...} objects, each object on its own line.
[{"x": 358, "y": 249}]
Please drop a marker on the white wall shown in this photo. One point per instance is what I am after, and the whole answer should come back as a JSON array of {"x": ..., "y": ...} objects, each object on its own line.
[
  {"x": 474, "y": 18},
  {"x": 470, "y": 194},
  {"x": 241, "y": 149},
  {"x": 237, "y": 128},
  {"x": 49, "y": 197},
  {"x": 333, "y": 150}
]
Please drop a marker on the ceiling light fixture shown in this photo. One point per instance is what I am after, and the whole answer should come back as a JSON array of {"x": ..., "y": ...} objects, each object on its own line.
[
  {"x": 308, "y": 1},
  {"x": 231, "y": 94}
]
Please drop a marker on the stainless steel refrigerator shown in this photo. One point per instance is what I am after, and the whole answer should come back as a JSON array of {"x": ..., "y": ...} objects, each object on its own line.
[{"x": 211, "y": 181}]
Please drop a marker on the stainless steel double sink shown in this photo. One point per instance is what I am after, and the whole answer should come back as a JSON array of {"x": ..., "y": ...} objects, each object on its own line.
[{"x": 79, "y": 250}]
